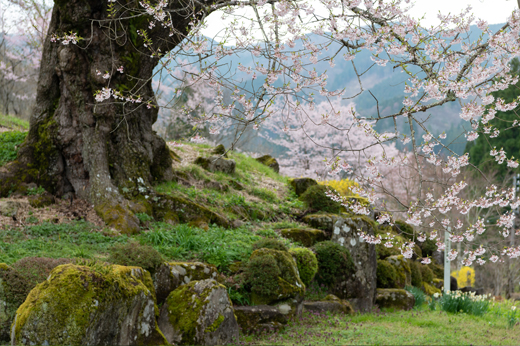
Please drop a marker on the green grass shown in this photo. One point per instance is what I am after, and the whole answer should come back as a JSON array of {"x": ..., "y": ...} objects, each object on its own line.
[
  {"x": 9, "y": 144},
  {"x": 13, "y": 123},
  {"x": 392, "y": 328},
  {"x": 66, "y": 240},
  {"x": 217, "y": 245}
]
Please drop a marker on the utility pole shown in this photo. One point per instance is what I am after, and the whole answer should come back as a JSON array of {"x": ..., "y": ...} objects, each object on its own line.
[
  {"x": 447, "y": 266},
  {"x": 510, "y": 264}
]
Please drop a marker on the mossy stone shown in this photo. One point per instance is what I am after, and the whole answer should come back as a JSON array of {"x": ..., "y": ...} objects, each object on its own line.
[
  {"x": 117, "y": 216},
  {"x": 426, "y": 273},
  {"x": 270, "y": 162},
  {"x": 334, "y": 263},
  {"x": 185, "y": 210},
  {"x": 255, "y": 319},
  {"x": 417, "y": 278},
  {"x": 395, "y": 298},
  {"x": 219, "y": 150},
  {"x": 199, "y": 313},
  {"x": 300, "y": 185},
  {"x": 306, "y": 237},
  {"x": 315, "y": 198},
  {"x": 269, "y": 243},
  {"x": 386, "y": 274},
  {"x": 403, "y": 271},
  {"x": 40, "y": 201},
  {"x": 90, "y": 305},
  {"x": 306, "y": 262},
  {"x": 284, "y": 274},
  {"x": 171, "y": 275},
  {"x": 216, "y": 164}
]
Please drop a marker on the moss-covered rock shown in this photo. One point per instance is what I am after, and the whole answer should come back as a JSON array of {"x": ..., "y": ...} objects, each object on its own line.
[
  {"x": 90, "y": 305},
  {"x": 430, "y": 289},
  {"x": 216, "y": 164},
  {"x": 398, "y": 299},
  {"x": 438, "y": 270},
  {"x": 427, "y": 274},
  {"x": 7, "y": 310},
  {"x": 199, "y": 313},
  {"x": 403, "y": 272},
  {"x": 273, "y": 277},
  {"x": 40, "y": 201},
  {"x": 270, "y": 162},
  {"x": 171, "y": 275},
  {"x": 331, "y": 304},
  {"x": 269, "y": 243},
  {"x": 334, "y": 263},
  {"x": 118, "y": 216},
  {"x": 438, "y": 283},
  {"x": 183, "y": 210},
  {"x": 428, "y": 247},
  {"x": 219, "y": 150},
  {"x": 256, "y": 319},
  {"x": 306, "y": 262},
  {"x": 300, "y": 185},
  {"x": 315, "y": 198},
  {"x": 360, "y": 287},
  {"x": 415, "y": 269},
  {"x": 306, "y": 237},
  {"x": 404, "y": 229},
  {"x": 386, "y": 274}
]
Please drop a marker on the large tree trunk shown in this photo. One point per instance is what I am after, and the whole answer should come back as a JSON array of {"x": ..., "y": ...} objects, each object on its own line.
[{"x": 104, "y": 152}]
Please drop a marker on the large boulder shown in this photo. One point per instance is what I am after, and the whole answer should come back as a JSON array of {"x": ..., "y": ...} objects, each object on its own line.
[
  {"x": 306, "y": 237},
  {"x": 171, "y": 275},
  {"x": 300, "y": 185},
  {"x": 270, "y": 162},
  {"x": 360, "y": 288},
  {"x": 403, "y": 271},
  {"x": 6, "y": 308},
  {"x": 396, "y": 298},
  {"x": 258, "y": 318},
  {"x": 216, "y": 164},
  {"x": 90, "y": 305},
  {"x": 199, "y": 313},
  {"x": 273, "y": 277}
]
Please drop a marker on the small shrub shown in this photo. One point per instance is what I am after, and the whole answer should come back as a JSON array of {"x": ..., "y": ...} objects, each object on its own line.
[
  {"x": 135, "y": 254},
  {"x": 426, "y": 273},
  {"x": 307, "y": 263},
  {"x": 315, "y": 198},
  {"x": 33, "y": 191},
  {"x": 385, "y": 274},
  {"x": 334, "y": 262},
  {"x": 420, "y": 297},
  {"x": 262, "y": 274},
  {"x": 417, "y": 278},
  {"x": 270, "y": 243}
]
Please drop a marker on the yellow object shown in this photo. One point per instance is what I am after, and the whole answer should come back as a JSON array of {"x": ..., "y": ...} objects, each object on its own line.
[
  {"x": 344, "y": 186},
  {"x": 465, "y": 277}
]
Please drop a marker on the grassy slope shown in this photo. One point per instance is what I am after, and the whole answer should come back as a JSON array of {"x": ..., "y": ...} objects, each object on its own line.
[{"x": 13, "y": 123}]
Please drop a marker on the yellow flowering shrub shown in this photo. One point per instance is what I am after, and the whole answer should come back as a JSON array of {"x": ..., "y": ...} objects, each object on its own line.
[
  {"x": 465, "y": 277},
  {"x": 344, "y": 188}
]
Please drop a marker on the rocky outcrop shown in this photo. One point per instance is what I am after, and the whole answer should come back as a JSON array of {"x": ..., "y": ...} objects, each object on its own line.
[
  {"x": 394, "y": 298},
  {"x": 170, "y": 275},
  {"x": 270, "y": 162},
  {"x": 300, "y": 185},
  {"x": 90, "y": 305},
  {"x": 360, "y": 288},
  {"x": 258, "y": 318},
  {"x": 273, "y": 277},
  {"x": 199, "y": 313},
  {"x": 216, "y": 164},
  {"x": 306, "y": 237}
]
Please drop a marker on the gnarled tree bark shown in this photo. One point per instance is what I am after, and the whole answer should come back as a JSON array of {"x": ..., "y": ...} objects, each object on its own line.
[{"x": 104, "y": 152}]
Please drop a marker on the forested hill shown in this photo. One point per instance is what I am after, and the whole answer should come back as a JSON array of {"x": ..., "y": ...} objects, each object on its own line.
[{"x": 386, "y": 84}]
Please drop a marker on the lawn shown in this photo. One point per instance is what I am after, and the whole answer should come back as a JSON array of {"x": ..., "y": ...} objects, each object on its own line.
[{"x": 423, "y": 327}]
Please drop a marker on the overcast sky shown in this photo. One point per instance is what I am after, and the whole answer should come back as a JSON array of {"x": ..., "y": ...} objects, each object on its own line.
[{"x": 493, "y": 11}]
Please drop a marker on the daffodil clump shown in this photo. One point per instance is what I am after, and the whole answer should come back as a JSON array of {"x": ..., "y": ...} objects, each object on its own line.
[{"x": 465, "y": 302}]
